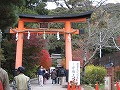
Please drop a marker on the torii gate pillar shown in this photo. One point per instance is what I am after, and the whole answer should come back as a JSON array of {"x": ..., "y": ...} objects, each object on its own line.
[
  {"x": 19, "y": 47},
  {"x": 68, "y": 48}
]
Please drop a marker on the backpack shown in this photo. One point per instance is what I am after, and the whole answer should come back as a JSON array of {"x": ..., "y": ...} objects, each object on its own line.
[{"x": 62, "y": 71}]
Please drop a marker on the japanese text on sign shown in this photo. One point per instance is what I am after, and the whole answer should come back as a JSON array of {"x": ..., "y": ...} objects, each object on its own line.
[{"x": 74, "y": 71}]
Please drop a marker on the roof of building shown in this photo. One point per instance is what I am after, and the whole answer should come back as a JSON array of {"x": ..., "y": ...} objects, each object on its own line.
[{"x": 66, "y": 16}]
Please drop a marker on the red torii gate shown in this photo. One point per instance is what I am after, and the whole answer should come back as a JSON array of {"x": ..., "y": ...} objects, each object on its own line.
[{"x": 67, "y": 30}]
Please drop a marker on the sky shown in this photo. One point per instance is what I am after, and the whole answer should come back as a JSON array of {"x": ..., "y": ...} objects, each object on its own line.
[
  {"x": 51, "y": 5},
  {"x": 113, "y": 1}
]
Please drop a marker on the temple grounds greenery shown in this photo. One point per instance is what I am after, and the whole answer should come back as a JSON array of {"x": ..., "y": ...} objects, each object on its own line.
[{"x": 94, "y": 74}]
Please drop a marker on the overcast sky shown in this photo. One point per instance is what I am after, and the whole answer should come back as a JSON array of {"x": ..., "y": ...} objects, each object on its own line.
[
  {"x": 51, "y": 5},
  {"x": 113, "y": 1}
]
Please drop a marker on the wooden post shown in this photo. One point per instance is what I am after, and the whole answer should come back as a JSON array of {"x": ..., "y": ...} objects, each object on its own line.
[
  {"x": 68, "y": 47},
  {"x": 19, "y": 47},
  {"x": 96, "y": 86},
  {"x": 79, "y": 87},
  {"x": 68, "y": 88},
  {"x": 110, "y": 73},
  {"x": 117, "y": 85}
]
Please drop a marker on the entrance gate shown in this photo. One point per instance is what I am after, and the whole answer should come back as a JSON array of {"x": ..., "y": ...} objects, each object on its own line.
[{"x": 67, "y": 31}]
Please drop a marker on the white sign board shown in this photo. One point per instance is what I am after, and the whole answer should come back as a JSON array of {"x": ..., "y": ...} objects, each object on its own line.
[
  {"x": 74, "y": 71},
  {"x": 107, "y": 83}
]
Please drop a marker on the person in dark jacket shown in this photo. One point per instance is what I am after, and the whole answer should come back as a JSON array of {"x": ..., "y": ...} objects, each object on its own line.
[
  {"x": 62, "y": 75},
  {"x": 41, "y": 73},
  {"x": 58, "y": 75},
  {"x": 54, "y": 76},
  {"x": 47, "y": 75}
]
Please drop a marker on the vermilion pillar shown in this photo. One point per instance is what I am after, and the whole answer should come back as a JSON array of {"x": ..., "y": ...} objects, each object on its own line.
[
  {"x": 68, "y": 47},
  {"x": 19, "y": 47}
]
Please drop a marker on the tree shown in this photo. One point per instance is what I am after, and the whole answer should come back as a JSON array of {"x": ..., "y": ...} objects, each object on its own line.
[
  {"x": 31, "y": 52},
  {"x": 74, "y": 5},
  {"x": 40, "y": 9},
  {"x": 94, "y": 74},
  {"x": 8, "y": 13},
  {"x": 9, "y": 9},
  {"x": 45, "y": 59},
  {"x": 2, "y": 58},
  {"x": 8, "y": 47},
  {"x": 103, "y": 31},
  {"x": 9, "y": 16}
]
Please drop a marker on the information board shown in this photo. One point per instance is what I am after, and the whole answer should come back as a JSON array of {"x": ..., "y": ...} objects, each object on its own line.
[{"x": 74, "y": 72}]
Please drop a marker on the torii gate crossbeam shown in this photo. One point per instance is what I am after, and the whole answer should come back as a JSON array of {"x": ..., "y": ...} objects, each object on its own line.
[{"x": 66, "y": 19}]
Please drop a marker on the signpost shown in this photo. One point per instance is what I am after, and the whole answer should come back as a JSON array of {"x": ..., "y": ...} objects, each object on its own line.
[{"x": 74, "y": 72}]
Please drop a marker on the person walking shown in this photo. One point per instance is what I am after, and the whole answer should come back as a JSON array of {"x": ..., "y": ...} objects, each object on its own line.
[
  {"x": 21, "y": 81},
  {"x": 54, "y": 76},
  {"x": 4, "y": 79},
  {"x": 62, "y": 74},
  {"x": 46, "y": 76},
  {"x": 58, "y": 75},
  {"x": 41, "y": 72}
]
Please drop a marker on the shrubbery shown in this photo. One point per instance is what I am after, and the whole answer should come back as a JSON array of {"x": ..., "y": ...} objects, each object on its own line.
[
  {"x": 94, "y": 74},
  {"x": 117, "y": 75}
]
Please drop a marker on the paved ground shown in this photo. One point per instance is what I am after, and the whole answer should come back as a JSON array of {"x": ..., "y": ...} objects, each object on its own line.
[{"x": 47, "y": 86}]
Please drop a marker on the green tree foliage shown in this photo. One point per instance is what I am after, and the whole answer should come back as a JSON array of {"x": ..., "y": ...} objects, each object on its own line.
[
  {"x": 72, "y": 6},
  {"x": 117, "y": 75},
  {"x": 40, "y": 9},
  {"x": 13, "y": 2},
  {"x": 2, "y": 58},
  {"x": 59, "y": 10},
  {"x": 10, "y": 9},
  {"x": 9, "y": 17},
  {"x": 9, "y": 54},
  {"x": 8, "y": 13},
  {"x": 33, "y": 7},
  {"x": 56, "y": 46},
  {"x": 32, "y": 4},
  {"x": 94, "y": 74},
  {"x": 24, "y": 10},
  {"x": 31, "y": 50},
  {"x": 83, "y": 5}
]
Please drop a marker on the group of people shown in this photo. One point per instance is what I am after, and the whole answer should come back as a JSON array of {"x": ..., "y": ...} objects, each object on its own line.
[
  {"x": 22, "y": 82},
  {"x": 58, "y": 75},
  {"x": 43, "y": 75}
]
